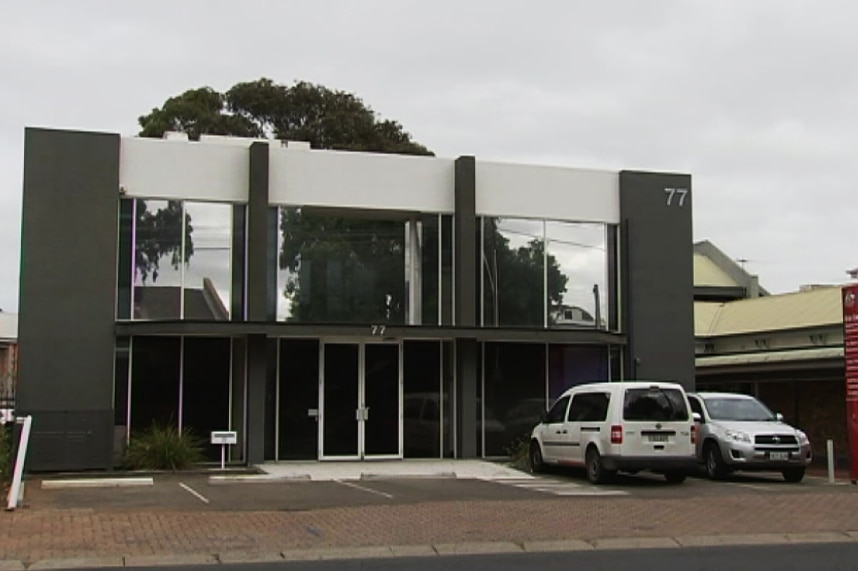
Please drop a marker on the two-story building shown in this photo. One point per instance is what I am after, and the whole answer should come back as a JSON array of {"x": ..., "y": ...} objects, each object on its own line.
[{"x": 332, "y": 305}]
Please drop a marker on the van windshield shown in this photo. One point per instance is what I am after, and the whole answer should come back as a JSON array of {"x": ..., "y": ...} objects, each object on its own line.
[{"x": 654, "y": 404}]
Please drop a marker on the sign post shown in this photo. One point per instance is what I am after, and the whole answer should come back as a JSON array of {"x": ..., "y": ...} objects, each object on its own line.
[
  {"x": 15, "y": 489},
  {"x": 850, "y": 350},
  {"x": 224, "y": 438}
]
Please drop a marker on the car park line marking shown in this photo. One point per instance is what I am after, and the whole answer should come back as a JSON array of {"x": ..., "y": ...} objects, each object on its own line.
[
  {"x": 190, "y": 490},
  {"x": 362, "y": 488},
  {"x": 560, "y": 488}
]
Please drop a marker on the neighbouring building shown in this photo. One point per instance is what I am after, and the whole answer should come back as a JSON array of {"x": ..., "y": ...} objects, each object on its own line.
[
  {"x": 786, "y": 349},
  {"x": 8, "y": 356},
  {"x": 333, "y": 305}
]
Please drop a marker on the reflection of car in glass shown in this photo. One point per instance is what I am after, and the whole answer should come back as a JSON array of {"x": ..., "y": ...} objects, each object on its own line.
[
  {"x": 619, "y": 426},
  {"x": 422, "y": 423},
  {"x": 738, "y": 432}
]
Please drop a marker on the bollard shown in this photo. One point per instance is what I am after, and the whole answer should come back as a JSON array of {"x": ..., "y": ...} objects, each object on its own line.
[{"x": 829, "y": 445}]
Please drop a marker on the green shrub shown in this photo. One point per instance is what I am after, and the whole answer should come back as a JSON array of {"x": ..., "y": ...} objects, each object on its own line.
[
  {"x": 163, "y": 448},
  {"x": 6, "y": 465},
  {"x": 519, "y": 453}
]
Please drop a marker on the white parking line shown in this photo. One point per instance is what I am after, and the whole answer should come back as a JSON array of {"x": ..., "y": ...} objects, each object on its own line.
[
  {"x": 370, "y": 490},
  {"x": 752, "y": 486},
  {"x": 189, "y": 489}
]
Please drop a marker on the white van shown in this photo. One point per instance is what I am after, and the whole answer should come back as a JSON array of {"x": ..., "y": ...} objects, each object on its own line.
[{"x": 620, "y": 426}]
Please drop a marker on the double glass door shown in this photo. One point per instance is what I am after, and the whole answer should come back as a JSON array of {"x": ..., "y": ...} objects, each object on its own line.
[{"x": 361, "y": 396}]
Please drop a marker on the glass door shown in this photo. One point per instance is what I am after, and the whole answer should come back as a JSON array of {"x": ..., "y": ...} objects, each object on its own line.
[
  {"x": 340, "y": 394},
  {"x": 361, "y": 401},
  {"x": 381, "y": 400}
]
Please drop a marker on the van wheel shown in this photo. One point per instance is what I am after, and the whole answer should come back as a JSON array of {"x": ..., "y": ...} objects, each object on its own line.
[
  {"x": 675, "y": 477},
  {"x": 537, "y": 464},
  {"x": 793, "y": 475},
  {"x": 715, "y": 468},
  {"x": 595, "y": 472}
]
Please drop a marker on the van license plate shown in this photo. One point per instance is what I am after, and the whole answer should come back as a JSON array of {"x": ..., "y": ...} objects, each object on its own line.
[
  {"x": 779, "y": 455},
  {"x": 658, "y": 437}
]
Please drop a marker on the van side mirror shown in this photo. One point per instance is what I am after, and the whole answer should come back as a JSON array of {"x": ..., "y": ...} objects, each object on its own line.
[
  {"x": 696, "y": 417},
  {"x": 779, "y": 417}
]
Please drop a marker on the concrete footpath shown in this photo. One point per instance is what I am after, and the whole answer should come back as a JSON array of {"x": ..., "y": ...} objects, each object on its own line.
[{"x": 44, "y": 536}]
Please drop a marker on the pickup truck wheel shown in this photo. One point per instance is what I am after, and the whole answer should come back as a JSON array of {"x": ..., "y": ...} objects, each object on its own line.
[
  {"x": 793, "y": 475},
  {"x": 715, "y": 468},
  {"x": 537, "y": 464}
]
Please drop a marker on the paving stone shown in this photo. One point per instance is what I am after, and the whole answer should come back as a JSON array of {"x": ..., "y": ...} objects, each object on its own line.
[
  {"x": 477, "y": 548},
  {"x": 744, "y": 539},
  {"x": 77, "y": 563},
  {"x": 634, "y": 543},
  {"x": 11, "y": 565},
  {"x": 557, "y": 545}
]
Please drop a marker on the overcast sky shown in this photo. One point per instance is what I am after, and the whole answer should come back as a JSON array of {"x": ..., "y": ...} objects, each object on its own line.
[{"x": 757, "y": 100}]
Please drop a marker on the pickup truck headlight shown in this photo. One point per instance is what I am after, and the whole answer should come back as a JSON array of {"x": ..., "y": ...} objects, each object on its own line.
[
  {"x": 737, "y": 436},
  {"x": 803, "y": 440}
]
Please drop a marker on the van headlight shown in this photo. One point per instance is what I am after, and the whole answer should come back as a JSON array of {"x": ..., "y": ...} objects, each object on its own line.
[
  {"x": 738, "y": 436},
  {"x": 802, "y": 438}
]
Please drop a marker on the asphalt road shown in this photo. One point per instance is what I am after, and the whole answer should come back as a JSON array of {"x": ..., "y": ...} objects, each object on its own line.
[{"x": 831, "y": 557}]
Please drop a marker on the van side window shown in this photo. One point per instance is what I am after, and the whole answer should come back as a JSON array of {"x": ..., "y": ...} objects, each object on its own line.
[
  {"x": 589, "y": 407},
  {"x": 558, "y": 411}
]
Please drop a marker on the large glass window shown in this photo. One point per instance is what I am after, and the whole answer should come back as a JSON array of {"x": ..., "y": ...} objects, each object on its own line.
[
  {"x": 573, "y": 365},
  {"x": 514, "y": 394},
  {"x": 578, "y": 276},
  {"x": 155, "y": 371},
  {"x": 362, "y": 267},
  {"x": 181, "y": 261},
  {"x": 422, "y": 403},
  {"x": 513, "y": 272},
  {"x": 205, "y": 388},
  {"x": 537, "y": 273}
]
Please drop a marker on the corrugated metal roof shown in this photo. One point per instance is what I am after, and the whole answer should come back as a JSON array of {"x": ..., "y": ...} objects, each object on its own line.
[
  {"x": 707, "y": 273},
  {"x": 813, "y": 308},
  {"x": 8, "y": 326},
  {"x": 770, "y": 357}
]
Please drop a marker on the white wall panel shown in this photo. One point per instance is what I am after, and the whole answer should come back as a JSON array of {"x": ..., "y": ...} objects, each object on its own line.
[
  {"x": 157, "y": 168},
  {"x": 361, "y": 180},
  {"x": 554, "y": 193}
]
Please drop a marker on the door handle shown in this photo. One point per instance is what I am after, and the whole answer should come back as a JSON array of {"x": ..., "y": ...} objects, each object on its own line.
[{"x": 366, "y": 413}]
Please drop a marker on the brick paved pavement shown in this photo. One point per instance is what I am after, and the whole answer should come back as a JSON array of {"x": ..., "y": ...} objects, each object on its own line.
[{"x": 34, "y": 534}]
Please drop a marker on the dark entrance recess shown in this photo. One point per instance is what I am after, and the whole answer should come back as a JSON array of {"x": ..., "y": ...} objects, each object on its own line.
[
  {"x": 422, "y": 399},
  {"x": 299, "y": 399},
  {"x": 205, "y": 389}
]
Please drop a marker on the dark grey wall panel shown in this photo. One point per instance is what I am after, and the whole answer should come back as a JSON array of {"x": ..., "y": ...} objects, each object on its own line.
[
  {"x": 467, "y": 386},
  {"x": 658, "y": 275},
  {"x": 257, "y": 234},
  {"x": 67, "y": 303},
  {"x": 465, "y": 242}
]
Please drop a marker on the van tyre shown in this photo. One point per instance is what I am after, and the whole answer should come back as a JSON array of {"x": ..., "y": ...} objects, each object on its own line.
[
  {"x": 596, "y": 473},
  {"x": 793, "y": 475},
  {"x": 537, "y": 464},
  {"x": 715, "y": 468}
]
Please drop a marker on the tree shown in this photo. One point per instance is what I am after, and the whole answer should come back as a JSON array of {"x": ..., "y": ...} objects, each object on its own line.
[{"x": 318, "y": 251}]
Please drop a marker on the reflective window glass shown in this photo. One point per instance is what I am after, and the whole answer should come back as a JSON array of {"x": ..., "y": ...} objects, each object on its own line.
[
  {"x": 158, "y": 226},
  {"x": 207, "y": 277},
  {"x": 578, "y": 275}
]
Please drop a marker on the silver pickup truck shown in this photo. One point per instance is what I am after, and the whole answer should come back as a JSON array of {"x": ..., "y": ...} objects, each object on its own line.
[{"x": 738, "y": 432}]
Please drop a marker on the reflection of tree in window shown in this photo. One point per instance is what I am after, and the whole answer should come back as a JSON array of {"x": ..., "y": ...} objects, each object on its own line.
[
  {"x": 159, "y": 235},
  {"x": 343, "y": 269}
]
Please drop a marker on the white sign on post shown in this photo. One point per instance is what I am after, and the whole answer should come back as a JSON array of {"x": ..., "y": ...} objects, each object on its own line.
[{"x": 224, "y": 438}]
